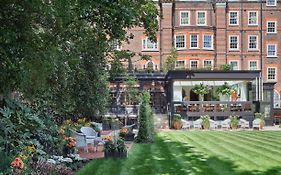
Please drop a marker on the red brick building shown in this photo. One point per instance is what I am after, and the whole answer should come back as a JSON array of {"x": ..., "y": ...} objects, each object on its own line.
[{"x": 207, "y": 34}]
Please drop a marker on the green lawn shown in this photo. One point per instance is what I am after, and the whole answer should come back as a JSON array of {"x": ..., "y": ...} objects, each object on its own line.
[{"x": 198, "y": 152}]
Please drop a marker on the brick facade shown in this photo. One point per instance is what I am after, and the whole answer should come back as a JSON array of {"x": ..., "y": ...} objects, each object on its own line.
[{"x": 217, "y": 17}]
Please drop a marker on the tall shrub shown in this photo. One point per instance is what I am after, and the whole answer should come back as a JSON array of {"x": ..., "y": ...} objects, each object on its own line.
[{"x": 146, "y": 125}]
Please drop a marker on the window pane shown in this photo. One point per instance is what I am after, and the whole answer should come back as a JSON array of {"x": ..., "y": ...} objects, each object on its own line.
[
  {"x": 233, "y": 18},
  {"x": 201, "y": 18},
  {"x": 208, "y": 41},
  {"x": 194, "y": 42},
  {"x": 253, "y": 65},
  {"x": 253, "y": 18},
  {"x": 184, "y": 18},
  {"x": 253, "y": 42},
  {"x": 271, "y": 73},
  {"x": 271, "y": 27},
  {"x": 193, "y": 64},
  {"x": 180, "y": 41},
  {"x": 233, "y": 42}
]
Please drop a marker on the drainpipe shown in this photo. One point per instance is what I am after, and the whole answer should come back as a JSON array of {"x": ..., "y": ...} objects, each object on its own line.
[
  {"x": 261, "y": 37},
  {"x": 242, "y": 34},
  {"x": 173, "y": 22},
  {"x": 161, "y": 29}
]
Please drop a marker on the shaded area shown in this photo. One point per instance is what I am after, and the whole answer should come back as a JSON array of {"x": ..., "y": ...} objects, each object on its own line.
[{"x": 191, "y": 153}]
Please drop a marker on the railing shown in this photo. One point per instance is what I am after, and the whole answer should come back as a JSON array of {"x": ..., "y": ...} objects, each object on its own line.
[{"x": 214, "y": 108}]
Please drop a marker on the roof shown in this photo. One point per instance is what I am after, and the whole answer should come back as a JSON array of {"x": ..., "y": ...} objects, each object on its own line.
[{"x": 213, "y": 74}]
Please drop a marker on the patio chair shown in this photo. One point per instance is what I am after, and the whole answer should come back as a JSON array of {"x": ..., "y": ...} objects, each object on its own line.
[
  {"x": 91, "y": 136},
  {"x": 225, "y": 123},
  {"x": 185, "y": 124},
  {"x": 197, "y": 124},
  {"x": 244, "y": 123},
  {"x": 80, "y": 139},
  {"x": 97, "y": 125},
  {"x": 213, "y": 124},
  {"x": 256, "y": 123}
]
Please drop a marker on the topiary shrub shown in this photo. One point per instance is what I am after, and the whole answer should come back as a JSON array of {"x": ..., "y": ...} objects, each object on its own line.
[
  {"x": 234, "y": 121},
  {"x": 146, "y": 124}
]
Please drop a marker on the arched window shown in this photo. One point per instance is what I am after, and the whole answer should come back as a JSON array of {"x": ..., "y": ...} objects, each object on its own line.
[
  {"x": 276, "y": 99},
  {"x": 150, "y": 65}
]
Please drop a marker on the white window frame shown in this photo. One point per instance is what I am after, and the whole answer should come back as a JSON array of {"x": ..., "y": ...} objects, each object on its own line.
[
  {"x": 271, "y": 56},
  {"x": 257, "y": 16},
  {"x": 144, "y": 47},
  {"x": 249, "y": 64},
  {"x": 212, "y": 42},
  {"x": 238, "y": 66},
  {"x": 230, "y": 18},
  {"x": 190, "y": 41},
  {"x": 273, "y": 5},
  {"x": 188, "y": 19},
  {"x": 267, "y": 73},
  {"x": 180, "y": 48},
  {"x": 176, "y": 64},
  {"x": 205, "y": 12},
  {"x": 192, "y": 61},
  {"x": 275, "y": 28},
  {"x": 212, "y": 63},
  {"x": 257, "y": 43},
  {"x": 233, "y": 49}
]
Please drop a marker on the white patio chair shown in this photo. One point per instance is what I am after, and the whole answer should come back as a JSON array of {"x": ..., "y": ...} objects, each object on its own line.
[
  {"x": 197, "y": 124},
  {"x": 185, "y": 124},
  {"x": 244, "y": 123},
  {"x": 213, "y": 124},
  {"x": 226, "y": 124},
  {"x": 256, "y": 123},
  {"x": 80, "y": 139},
  {"x": 91, "y": 136}
]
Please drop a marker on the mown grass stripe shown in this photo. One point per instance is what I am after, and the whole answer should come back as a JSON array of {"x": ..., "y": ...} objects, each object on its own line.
[
  {"x": 185, "y": 153},
  {"x": 256, "y": 148},
  {"x": 265, "y": 144},
  {"x": 231, "y": 152},
  {"x": 263, "y": 137}
]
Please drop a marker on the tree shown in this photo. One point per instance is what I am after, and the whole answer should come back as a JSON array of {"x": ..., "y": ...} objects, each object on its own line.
[
  {"x": 146, "y": 125},
  {"x": 54, "y": 52},
  {"x": 132, "y": 92},
  {"x": 171, "y": 60}
]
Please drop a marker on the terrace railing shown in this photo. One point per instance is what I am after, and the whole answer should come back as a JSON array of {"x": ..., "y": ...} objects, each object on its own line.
[{"x": 214, "y": 108}]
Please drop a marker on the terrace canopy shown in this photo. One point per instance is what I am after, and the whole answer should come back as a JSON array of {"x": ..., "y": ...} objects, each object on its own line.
[{"x": 247, "y": 85}]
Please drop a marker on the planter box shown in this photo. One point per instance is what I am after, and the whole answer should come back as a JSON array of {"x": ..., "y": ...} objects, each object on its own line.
[
  {"x": 115, "y": 154},
  {"x": 129, "y": 137}
]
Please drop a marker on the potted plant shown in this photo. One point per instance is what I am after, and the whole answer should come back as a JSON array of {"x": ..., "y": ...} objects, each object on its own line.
[
  {"x": 205, "y": 121},
  {"x": 224, "y": 90},
  {"x": 201, "y": 90},
  {"x": 260, "y": 116},
  {"x": 115, "y": 147},
  {"x": 177, "y": 124},
  {"x": 234, "y": 95},
  {"x": 234, "y": 121},
  {"x": 126, "y": 134}
]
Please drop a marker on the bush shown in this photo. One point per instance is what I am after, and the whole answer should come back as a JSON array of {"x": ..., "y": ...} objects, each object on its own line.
[
  {"x": 205, "y": 121},
  {"x": 234, "y": 121},
  {"x": 146, "y": 124},
  {"x": 21, "y": 128}
]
